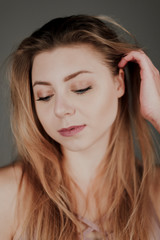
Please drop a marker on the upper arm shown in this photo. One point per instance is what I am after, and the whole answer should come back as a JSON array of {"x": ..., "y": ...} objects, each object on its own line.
[{"x": 8, "y": 200}]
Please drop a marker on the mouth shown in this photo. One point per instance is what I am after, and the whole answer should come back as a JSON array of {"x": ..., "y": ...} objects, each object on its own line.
[{"x": 71, "y": 131}]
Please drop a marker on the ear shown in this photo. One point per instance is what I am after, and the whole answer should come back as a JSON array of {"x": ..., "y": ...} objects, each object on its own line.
[{"x": 119, "y": 83}]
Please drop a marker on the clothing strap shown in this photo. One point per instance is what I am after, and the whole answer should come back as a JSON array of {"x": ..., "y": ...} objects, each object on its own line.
[{"x": 91, "y": 226}]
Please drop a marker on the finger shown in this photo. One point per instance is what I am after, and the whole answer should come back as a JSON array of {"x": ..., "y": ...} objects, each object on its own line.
[
  {"x": 147, "y": 70},
  {"x": 122, "y": 63},
  {"x": 135, "y": 56}
]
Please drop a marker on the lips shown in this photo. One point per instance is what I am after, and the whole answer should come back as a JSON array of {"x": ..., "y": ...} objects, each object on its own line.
[{"x": 71, "y": 131}]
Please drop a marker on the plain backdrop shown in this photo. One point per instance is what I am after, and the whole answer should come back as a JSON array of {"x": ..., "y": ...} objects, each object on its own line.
[{"x": 20, "y": 18}]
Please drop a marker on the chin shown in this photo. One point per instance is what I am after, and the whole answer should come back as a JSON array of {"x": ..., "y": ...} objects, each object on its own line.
[{"x": 75, "y": 147}]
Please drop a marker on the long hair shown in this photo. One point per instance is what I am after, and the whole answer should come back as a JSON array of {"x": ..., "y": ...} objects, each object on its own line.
[{"x": 123, "y": 178}]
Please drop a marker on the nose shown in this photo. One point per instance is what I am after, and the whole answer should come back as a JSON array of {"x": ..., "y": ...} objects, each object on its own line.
[{"x": 63, "y": 107}]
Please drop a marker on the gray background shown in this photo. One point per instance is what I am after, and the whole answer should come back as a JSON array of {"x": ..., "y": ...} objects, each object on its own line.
[{"x": 20, "y": 18}]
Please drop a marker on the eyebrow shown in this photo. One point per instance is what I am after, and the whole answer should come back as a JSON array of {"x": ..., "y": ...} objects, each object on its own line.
[{"x": 67, "y": 78}]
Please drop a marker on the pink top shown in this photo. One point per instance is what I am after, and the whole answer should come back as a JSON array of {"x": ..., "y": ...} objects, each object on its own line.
[
  {"x": 93, "y": 227},
  {"x": 90, "y": 227}
]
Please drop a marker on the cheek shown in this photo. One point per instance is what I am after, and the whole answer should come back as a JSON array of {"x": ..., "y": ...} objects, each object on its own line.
[
  {"x": 108, "y": 111},
  {"x": 104, "y": 109},
  {"x": 44, "y": 116},
  {"x": 48, "y": 125}
]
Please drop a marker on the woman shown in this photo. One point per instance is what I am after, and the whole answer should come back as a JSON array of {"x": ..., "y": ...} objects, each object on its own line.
[{"x": 81, "y": 97}]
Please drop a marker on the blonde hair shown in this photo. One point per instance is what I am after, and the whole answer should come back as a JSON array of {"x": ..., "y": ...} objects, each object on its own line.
[{"x": 124, "y": 179}]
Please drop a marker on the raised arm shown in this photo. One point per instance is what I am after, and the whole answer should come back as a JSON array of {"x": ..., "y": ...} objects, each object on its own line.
[{"x": 150, "y": 86}]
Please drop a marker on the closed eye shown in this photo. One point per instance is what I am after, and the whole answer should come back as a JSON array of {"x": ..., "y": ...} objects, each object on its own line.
[
  {"x": 45, "y": 99},
  {"x": 81, "y": 91}
]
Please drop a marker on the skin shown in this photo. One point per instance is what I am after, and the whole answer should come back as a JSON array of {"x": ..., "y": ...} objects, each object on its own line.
[
  {"x": 150, "y": 86},
  {"x": 65, "y": 106},
  {"x": 10, "y": 177}
]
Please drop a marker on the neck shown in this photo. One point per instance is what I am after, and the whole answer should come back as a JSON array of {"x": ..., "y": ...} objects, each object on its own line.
[{"x": 82, "y": 166}]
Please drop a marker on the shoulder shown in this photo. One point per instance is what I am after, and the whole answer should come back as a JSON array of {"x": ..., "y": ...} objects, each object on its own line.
[
  {"x": 155, "y": 191},
  {"x": 10, "y": 178}
]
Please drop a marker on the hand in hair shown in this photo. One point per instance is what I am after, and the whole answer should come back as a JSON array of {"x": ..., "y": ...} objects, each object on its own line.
[{"x": 150, "y": 86}]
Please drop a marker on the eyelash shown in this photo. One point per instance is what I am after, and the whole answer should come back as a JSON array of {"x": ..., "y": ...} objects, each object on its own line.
[
  {"x": 45, "y": 99},
  {"x": 80, "y": 91}
]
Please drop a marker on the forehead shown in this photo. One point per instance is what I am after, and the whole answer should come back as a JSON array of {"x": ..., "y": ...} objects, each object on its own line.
[
  {"x": 70, "y": 53},
  {"x": 63, "y": 61}
]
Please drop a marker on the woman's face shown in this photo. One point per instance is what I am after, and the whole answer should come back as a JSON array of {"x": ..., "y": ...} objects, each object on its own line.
[{"x": 76, "y": 95}]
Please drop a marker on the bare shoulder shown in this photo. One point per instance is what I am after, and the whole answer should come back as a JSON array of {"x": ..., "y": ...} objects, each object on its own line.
[
  {"x": 10, "y": 177},
  {"x": 155, "y": 191}
]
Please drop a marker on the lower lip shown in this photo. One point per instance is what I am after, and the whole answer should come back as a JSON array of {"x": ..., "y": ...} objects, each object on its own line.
[{"x": 72, "y": 132}]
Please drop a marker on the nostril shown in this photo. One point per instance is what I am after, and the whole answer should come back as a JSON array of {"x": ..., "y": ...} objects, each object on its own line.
[{"x": 63, "y": 106}]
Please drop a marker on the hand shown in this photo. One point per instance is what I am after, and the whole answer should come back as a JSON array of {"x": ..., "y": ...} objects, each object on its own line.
[{"x": 149, "y": 87}]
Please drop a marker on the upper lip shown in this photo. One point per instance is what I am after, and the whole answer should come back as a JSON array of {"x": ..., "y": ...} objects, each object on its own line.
[{"x": 69, "y": 128}]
